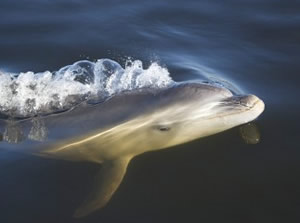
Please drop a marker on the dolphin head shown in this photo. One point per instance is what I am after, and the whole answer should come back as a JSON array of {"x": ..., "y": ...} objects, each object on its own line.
[{"x": 193, "y": 110}]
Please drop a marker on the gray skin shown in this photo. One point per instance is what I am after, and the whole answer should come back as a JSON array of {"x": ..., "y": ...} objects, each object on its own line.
[{"x": 113, "y": 132}]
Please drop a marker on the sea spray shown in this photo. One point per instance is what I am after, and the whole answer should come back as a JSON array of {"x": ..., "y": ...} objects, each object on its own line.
[{"x": 29, "y": 94}]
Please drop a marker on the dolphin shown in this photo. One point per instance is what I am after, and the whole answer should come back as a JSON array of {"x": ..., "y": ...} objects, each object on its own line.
[{"x": 112, "y": 132}]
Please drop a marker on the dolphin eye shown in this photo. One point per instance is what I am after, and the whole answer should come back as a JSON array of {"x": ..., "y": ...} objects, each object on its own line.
[{"x": 163, "y": 128}]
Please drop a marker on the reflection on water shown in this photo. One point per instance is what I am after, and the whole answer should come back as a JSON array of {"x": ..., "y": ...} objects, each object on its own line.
[
  {"x": 250, "y": 133},
  {"x": 13, "y": 132},
  {"x": 38, "y": 131}
]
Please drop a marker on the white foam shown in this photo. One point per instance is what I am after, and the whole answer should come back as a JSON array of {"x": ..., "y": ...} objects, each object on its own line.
[{"x": 27, "y": 94}]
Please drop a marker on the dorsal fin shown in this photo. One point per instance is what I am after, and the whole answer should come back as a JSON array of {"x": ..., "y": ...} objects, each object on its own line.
[{"x": 106, "y": 182}]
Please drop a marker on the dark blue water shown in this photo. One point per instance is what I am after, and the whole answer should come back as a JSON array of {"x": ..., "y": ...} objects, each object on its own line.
[{"x": 251, "y": 44}]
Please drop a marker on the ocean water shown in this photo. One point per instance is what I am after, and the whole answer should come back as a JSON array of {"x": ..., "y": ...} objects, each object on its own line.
[{"x": 251, "y": 46}]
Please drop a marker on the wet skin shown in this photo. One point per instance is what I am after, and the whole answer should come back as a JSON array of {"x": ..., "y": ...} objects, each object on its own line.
[{"x": 113, "y": 132}]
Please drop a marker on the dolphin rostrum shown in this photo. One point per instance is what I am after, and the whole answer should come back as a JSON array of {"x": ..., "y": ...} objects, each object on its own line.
[{"x": 111, "y": 133}]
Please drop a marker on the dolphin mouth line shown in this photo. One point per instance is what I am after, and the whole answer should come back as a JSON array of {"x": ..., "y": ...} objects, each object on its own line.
[
  {"x": 255, "y": 103},
  {"x": 247, "y": 108},
  {"x": 252, "y": 105}
]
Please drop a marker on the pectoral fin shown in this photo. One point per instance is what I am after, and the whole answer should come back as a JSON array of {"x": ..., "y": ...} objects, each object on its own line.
[{"x": 105, "y": 184}]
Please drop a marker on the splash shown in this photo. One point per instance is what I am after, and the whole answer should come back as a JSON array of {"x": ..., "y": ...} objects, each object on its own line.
[{"x": 29, "y": 94}]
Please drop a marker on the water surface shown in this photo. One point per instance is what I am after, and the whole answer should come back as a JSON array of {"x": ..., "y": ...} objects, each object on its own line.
[{"x": 254, "y": 45}]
